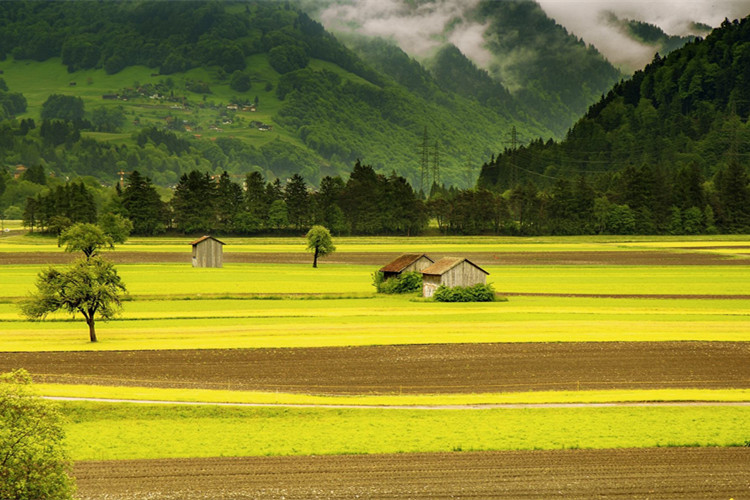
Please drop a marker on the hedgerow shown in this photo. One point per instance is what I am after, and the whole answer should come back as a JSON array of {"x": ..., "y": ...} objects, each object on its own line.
[{"x": 477, "y": 293}]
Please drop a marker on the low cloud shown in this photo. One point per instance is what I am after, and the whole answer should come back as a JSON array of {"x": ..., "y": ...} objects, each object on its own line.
[
  {"x": 421, "y": 27},
  {"x": 588, "y": 20},
  {"x": 418, "y": 29}
]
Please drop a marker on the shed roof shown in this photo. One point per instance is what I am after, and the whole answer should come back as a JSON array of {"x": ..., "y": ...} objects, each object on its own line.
[
  {"x": 204, "y": 238},
  {"x": 403, "y": 262},
  {"x": 446, "y": 264}
]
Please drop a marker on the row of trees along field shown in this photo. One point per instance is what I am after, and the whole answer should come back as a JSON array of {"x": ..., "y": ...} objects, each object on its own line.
[
  {"x": 366, "y": 203},
  {"x": 634, "y": 201}
]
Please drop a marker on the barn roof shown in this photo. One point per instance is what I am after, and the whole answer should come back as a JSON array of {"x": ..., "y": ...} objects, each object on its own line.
[
  {"x": 446, "y": 264},
  {"x": 204, "y": 238},
  {"x": 403, "y": 262}
]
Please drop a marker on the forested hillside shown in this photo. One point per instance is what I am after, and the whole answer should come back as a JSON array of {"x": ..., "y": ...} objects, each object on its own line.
[
  {"x": 553, "y": 74},
  {"x": 669, "y": 145},
  {"x": 168, "y": 87}
]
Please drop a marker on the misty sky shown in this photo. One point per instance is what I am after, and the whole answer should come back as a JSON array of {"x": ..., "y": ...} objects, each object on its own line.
[
  {"x": 420, "y": 29},
  {"x": 584, "y": 19}
]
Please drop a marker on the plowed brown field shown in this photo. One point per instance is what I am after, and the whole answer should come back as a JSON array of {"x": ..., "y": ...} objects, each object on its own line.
[
  {"x": 456, "y": 368},
  {"x": 690, "y": 473},
  {"x": 631, "y": 258}
]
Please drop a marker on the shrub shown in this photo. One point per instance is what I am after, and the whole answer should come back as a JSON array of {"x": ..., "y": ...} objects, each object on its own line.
[
  {"x": 408, "y": 282},
  {"x": 476, "y": 293}
]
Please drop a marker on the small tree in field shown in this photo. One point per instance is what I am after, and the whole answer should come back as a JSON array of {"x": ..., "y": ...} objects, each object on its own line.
[
  {"x": 319, "y": 242},
  {"x": 85, "y": 237},
  {"x": 33, "y": 464},
  {"x": 90, "y": 286}
]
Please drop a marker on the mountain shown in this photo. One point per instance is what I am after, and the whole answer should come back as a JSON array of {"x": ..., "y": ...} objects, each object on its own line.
[
  {"x": 167, "y": 87},
  {"x": 674, "y": 135},
  {"x": 653, "y": 36},
  {"x": 551, "y": 75}
]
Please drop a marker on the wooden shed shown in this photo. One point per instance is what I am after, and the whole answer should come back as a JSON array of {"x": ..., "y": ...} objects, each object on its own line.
[
  {"x": 409, "y": 262},
  {"x": 450, "y": 272},
  {"x": 208, "y": 252}
]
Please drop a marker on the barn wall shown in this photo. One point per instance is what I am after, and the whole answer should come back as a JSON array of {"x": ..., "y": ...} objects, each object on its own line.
[
  {"x": 208, "y": 253},
  {"x": 430, "y": 283},
  {"x": 418, "y": 265},
  {"x": 463, "y": 274}
]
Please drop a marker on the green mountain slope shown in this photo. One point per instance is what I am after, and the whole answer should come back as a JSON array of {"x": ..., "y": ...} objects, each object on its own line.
[
  {"x": 553, "y": 74},
  {"x": 675, "y": 134},
  {"x": 313, "y": 106}
]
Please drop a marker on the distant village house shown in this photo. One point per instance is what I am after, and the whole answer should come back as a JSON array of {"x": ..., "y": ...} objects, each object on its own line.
[
  {"x": 208, "y": 252},
  {"x": 450, "y": 272}
]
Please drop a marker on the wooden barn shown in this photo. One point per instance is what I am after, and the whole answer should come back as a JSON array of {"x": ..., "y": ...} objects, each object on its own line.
[
  {"x": 208, "y": 252},
  {"x": 410, "y": 262},
  {"x": 451, "y": 271}
]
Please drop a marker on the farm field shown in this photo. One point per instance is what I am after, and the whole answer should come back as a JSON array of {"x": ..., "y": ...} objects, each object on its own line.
[
  {"x": 587, "y": 320},
  {"x": 694, "y": 473}
]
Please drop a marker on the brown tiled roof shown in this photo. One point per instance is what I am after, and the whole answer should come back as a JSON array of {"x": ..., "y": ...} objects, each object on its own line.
[
  {"x": 204, "y": 238},
  {"x": 403, "y": 262},
  {"x": 446, "y": 264}
]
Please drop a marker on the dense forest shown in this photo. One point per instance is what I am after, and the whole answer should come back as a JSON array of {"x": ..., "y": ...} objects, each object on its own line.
[
  {"x": 671, "y": 142},
  {"x": 201, "y": 68},
  {"x": 366, "y": 203}
]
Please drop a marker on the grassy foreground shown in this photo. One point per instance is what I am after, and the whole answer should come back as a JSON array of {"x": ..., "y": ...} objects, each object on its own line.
[{"x": 120, "y": 431}]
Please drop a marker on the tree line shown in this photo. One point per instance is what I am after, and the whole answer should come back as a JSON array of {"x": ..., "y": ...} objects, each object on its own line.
[
  {"x": 366, "y": 203},
  {"x": 633, "y": 201}
]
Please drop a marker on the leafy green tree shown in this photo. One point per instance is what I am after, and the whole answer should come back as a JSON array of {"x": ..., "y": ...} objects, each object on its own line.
[
  {"x": 194, "y": 203},
  {"x": 692, "y": 221},
  {"x": 107, "y": 119},
  {"x": 360, "y": 199},
  {"x": 142, "y": 205},
  {"x": 287, "y": 58},
  {"x": 278, "y": 215},
  {"x": 256, "y": 202},
  {"x": 297, "y": 201},
  {"x": 36, "y": 175},
  {"x": 116, "y": 227},
  {"x": 63, "y": 107},
  {"x": 229, "y": 201},
  {"x": 320, "y": 243},
  {"x": 33, "y": 461},
  {"x": 85, "y": 237},
  {"x": 240, "y": 81},
  {"x": 734, "y": 194},
  {"x": 90, "y": 286},
  {"x": 57, "y": 224}
]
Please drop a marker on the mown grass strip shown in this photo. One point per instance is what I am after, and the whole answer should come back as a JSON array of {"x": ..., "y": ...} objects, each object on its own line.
[
  {"x": 98, "y": 431},
  {"x": 282, "y": 398}
]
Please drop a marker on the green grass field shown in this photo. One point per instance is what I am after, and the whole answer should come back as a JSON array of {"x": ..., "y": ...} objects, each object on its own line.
[
  {"x": 125, "y": 431},
  {"x": 174, "y": 306},
  {"x": 431, "y": 400},
  {"x": 418, "y": 244},
  {"x": 227, "y": 324}
]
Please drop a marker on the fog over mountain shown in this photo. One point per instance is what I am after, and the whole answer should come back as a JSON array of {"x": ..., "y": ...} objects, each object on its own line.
[
  {"x": 588, "y": 19},
  {"x": 422, "y": 27}
]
